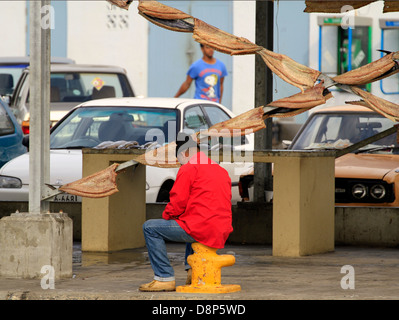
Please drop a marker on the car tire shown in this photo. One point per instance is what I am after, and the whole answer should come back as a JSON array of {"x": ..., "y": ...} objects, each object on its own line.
[{"x": 163, "y": 195}]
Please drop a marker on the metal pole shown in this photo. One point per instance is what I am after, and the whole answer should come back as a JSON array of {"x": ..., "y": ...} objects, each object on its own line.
[
  {"x": 39, "y": 106},
  {"x": 263, "y": 96}
]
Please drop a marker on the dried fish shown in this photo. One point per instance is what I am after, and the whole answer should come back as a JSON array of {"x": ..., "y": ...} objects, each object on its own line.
[
  {"x": 376, "y": 70},
  {"x": 165, "y": 16},
  {"x": 129, "y": 145},
  {"x": 251, "y": 120},
  {"x": 300, "y": 102},
  {"x": 388, "y": 109},
  {"x": 310, "y": 98},
  {"x": 163, "y": 157},
  {"x": 110, "y": 144},
  {"x": 289, "y": 70},
  {"x": 222, "y": 41},
  {"x": 98, "y": 185},
  {"x": 124, "y": 4},
  {"x": 335, "y": 6},
  {"x": 158, "y": 10},
  {"x": 391, "y": 6}
]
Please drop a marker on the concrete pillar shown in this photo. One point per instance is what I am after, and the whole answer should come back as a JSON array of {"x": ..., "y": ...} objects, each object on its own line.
[
  {"x": 29, "y": 242},
  {"x": 303, "y": 206},
  {"x": 115, "y": 222},
  {"x": 39, "y": 82}
]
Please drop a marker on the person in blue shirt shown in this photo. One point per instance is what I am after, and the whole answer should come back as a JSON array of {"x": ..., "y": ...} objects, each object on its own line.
[{"x": 208, "y": 73}]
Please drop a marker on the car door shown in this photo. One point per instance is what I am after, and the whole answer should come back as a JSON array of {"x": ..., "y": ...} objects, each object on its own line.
[{"x": 10, "y": 136}]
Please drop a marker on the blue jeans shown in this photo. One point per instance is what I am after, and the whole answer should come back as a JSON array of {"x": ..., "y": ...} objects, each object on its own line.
[{"x": 156, "y": 231}]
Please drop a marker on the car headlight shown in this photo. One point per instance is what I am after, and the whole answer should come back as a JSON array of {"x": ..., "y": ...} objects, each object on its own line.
[
  {"x": 10, "y": 182},
  {"x": 377, "y": 191},
  {"x": 359, "y": 191}
]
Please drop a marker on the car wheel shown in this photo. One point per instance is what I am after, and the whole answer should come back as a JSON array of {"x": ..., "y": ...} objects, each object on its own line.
[{"x": 163, "y": 195}]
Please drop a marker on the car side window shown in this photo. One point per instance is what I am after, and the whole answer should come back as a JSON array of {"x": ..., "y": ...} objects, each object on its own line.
[
  {"x": 215, "y": 114},
  {"x": 332, "y": 128},
  {"x": 194, "y": 119},
  {"x": 20, "y": 89},
  {"x": 6, "y": 125}
]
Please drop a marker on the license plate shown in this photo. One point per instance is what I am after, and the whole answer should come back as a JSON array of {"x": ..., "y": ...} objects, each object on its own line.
[{"x": 67, "y": 198}]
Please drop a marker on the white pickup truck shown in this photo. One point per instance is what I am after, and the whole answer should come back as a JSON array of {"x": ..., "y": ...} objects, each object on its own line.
[{"x": 71, "y": 84}]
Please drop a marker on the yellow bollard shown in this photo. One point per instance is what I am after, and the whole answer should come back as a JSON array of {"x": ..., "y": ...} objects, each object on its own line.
[{"x": 206, "y": 271}]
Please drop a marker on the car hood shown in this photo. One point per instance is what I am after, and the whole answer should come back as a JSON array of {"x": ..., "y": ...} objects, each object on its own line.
[
  {"x": 369, "y": 166},
  {"x": 65, "y": 167}
]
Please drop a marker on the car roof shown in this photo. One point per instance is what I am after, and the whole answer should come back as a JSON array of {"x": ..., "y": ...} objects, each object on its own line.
[
  {"x": 25, "y": 59},
  {"x": 144, "y": 102},
  {"x": 344, "y": 108},
  {"x": 86, "y": 68}
]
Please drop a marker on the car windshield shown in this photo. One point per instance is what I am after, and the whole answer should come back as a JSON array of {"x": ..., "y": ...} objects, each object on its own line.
[
  {"x": 88, "y": 127},
  {"x": 340, "y": 130},
  {"x": 9, "y": 75},
  {"x": 80, "y": 87}
]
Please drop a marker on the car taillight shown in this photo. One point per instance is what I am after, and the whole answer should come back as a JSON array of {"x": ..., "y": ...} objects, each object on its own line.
[{"x": 25, "y": 127}]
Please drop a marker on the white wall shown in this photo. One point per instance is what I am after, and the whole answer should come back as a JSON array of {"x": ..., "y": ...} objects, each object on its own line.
[
  {"x": 244, "y": 66},
  {"x": 13, "y": 28},
  {"x": 99, "y": 33}
]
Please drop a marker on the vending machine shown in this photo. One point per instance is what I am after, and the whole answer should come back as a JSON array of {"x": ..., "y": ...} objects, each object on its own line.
[
  {"x": 343, "y": 48},
  {"x": 389, "y": 42}
]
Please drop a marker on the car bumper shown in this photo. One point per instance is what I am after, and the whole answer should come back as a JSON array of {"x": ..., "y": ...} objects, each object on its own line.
[{"x": 22, "y": 195}]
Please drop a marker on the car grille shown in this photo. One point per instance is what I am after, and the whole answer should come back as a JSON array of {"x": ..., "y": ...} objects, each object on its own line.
[{"x": 363, "y": 191}]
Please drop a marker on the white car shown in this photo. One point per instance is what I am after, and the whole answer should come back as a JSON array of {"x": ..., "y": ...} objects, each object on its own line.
[{"x": 122, "y": 119}]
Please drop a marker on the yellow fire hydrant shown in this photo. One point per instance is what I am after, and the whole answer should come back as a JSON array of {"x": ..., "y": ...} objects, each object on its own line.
[{"x": 206, "y": 268}]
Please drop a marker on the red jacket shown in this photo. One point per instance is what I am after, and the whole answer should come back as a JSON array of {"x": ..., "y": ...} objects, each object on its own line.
[{"x": 200, "y": 201}]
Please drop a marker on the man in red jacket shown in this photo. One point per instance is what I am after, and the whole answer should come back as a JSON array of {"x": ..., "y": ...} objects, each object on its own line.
[{"x": 199, "y": 211}]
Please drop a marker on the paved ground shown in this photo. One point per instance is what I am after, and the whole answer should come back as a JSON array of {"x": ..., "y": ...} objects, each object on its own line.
[{"x": 117, "y": 276}]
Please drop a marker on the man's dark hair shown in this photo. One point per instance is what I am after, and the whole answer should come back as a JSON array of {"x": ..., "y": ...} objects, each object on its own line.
[{"x": 184, "y": 141}]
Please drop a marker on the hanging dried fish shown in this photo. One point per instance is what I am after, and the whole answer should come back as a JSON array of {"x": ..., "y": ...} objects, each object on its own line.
[
  {"x": 376, "y": 70},
  {"x": 124, "y": 4},
  {"x": 251, "y": 120},
  {"x": 300, "y": 102},
  {"x": 165, "y": 16},
  {"x": 388, "y": 109},
  {"x": 289, "y": 70},
  {"x": 391, "y": 6},
  {"x": 329, "y": 6},
  {"x": 98, "y": 185},
  {"x": 222, "y": 41},
  {"x": 162, "y": 157},
  {"x": 310, "y": 98}
]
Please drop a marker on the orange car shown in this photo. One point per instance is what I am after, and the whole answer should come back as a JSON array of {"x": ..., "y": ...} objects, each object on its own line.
[{"x": 367, "y": 177}]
